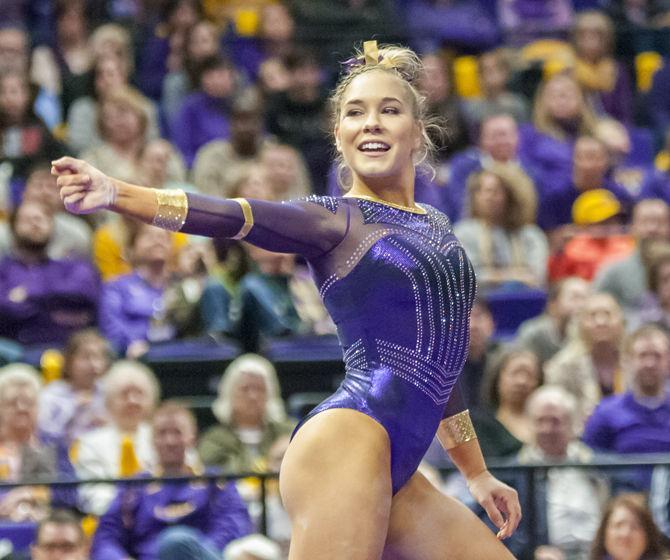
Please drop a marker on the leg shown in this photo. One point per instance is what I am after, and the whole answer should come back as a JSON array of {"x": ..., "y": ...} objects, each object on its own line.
[
  {"x": 335, "y": 482},
  {"x": 427, "y": 525},
  {"x": 184, "y": 543}
]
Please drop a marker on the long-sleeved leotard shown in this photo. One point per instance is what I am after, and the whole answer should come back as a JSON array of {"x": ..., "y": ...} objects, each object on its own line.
[{"x": 399, "y": 287}]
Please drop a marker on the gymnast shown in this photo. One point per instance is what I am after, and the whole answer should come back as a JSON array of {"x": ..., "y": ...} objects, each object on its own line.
[{"x": 399, "y": 287}]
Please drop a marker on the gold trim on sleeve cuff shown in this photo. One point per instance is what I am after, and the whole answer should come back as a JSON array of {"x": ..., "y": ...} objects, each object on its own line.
[
  {"x": 248, "y": 218},
  {"x": 172, "y": 209},
  {"x": 455, "y": 430}
]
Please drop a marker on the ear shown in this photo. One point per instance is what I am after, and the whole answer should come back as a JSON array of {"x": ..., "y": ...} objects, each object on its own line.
[
  {"x": 338, "y": 143},
  {"x": 418, "y": 136}
]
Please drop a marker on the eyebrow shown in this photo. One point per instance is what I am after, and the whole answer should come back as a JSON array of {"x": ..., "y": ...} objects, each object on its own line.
[{"x": 361, "y": 102}]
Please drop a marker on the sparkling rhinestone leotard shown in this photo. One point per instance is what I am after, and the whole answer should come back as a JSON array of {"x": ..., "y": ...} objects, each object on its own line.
[{"x": 399, "y": 287}]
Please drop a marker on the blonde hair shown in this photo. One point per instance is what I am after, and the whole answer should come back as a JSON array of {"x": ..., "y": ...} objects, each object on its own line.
[
  {"x": 521, "y": 195},
  {"x": 545, "y": 123},
  {"x": 407, "y": 66},
  {"x": 256, "y": 365},
  {"x": 129, "y": 371}
]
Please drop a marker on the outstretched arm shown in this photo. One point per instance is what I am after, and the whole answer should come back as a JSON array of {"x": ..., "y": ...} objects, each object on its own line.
[
  {"x": 292, "y": 227},
  {"x": 501, "y": 502}
]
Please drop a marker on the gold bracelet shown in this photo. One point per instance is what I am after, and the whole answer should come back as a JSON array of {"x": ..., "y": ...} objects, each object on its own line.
[
  {"x": 172, "y": 209},
  {"x": 456, "y": 429},
  {"x": 248, "y": 218}
]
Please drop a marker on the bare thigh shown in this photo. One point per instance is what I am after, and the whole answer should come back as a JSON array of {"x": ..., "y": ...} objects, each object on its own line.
[
  {"x": 335, "y": 483},
  {"x": 427, "y": 525}
]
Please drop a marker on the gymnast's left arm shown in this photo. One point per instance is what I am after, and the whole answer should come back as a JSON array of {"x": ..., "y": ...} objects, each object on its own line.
[
  {"x": 292, "y": 227},
  {"x": 459, "y": 439}
]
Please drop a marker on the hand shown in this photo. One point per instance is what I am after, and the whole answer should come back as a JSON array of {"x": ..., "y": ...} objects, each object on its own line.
[
  {"x": 500, "y": 501},
  {"x": 83, "y": 188}
]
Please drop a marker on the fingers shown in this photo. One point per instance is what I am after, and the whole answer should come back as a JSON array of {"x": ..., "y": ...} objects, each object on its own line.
[
  {"x": 492, "y": 511},
  {"x": 509, "y": 504},
  {"x": 66, "y": 165},
  {"x": 73, "y": 180}
]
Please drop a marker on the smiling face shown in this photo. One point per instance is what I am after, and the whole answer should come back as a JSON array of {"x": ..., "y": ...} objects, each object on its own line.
[
  {"x": 625, "y": 538},
  {"x": 377, "y": 132}
]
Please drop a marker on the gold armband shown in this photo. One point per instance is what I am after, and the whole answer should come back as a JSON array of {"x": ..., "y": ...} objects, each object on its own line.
[
  {"x": 455, "y": 430},
  {"x": 172, "y": 209},
  {"x": 248, "y": 218}
]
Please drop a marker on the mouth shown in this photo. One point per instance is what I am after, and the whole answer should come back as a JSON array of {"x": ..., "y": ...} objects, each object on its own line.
[{"x": 373, "y": 147}]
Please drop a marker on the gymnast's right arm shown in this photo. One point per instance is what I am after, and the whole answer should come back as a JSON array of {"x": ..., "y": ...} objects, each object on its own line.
[{"x": 293, "y": 227}]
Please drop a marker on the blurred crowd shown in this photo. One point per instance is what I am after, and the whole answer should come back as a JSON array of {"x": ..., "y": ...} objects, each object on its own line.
[{"x": 555, "y": 173}]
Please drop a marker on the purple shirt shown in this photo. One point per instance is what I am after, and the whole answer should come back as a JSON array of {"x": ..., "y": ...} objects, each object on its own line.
[
  {"x": 201, "y": 119},
  {"x": 127, "y": 306},
  {"x": 47, "y": 301},
  {"x": 139, "y": 514}
]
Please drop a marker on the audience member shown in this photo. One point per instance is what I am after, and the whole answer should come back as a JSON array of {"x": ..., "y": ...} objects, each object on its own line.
[
  {"x": 204, "y": 114},
  {"x": 590, "y": 365},
  {"x": 132, "y": 307},
  {"x": 494, "y": 71},
  {"x": 636, "y": 421},
  {"x": 176, "y": 521},
  {"x": 501, "y": 422},
  {"x": 286, "y": 172},
  {"x": 251, "y": 417},
  {"x": 627, "y": 532},
  {"x": 655, "y": 304},
  {"x": 123, "y": 446},
  {"x": 71, "y": 235},
  {"x": 43, "y": 300},
  {"x": 590, "y": 164},
  {"x": 59, "y": 536},
  {"x": 160, "y": 166},
  {"x": 74, "y": 405},
  {"x": 26, "y": 454},
  {"x": 605, "y": 81},
  {"x": 546, "y": 334},
  {"x": 560, "y": 115},
  {"x": 626, "y": 279},
  {"x": 505, "y": 246}
]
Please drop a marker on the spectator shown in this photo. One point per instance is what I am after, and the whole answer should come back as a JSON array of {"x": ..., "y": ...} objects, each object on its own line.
[
  {"x": 251, "y": 417},
  {"x": 627, "y": 531},
  {"x": 200, "y": 42},
  {"x": 636, "y": 420},
  {"x": 220, "y": 163},
  {"x": 604, "y": 80},
  {"x": 23, "y": 135},
  {"x": 25, "y": 452},
  {"x": 110, "y": 74},
  {"x": 437, "y": 83},
  {"x": 590, "y": 166},
  {"x": 298, "y": 116},
  {"x": 132, "y": 308},
  {"x": 597, "y": 237},
  {"x": 498, "y": 143},
  {"x": 286, "y": 172},
  {"x": 160, "y": 166},
  {"x": 71, "y": 235},
  {"x": 123, "y": 120},
  {"x": 501, "y": 422},
  {"x": 546, "y": 334},
  {"x": 569, "y": 501},
  {"x": 60, "y": 536},
  {"x": 123, "y": 446},
  {"x": 74, "y": 405},
  {"x": 560, "y": 115},
  {"x": 633, "y": 14},
  {"x": 494, "y": 75},
  {"x": 183, "y": 521},
  {"x": 626, "y": 279},
  {"x": 589, "y": 366},
  {"x": 204, "y": 115},
  {"x": 506, "y": 248},
  {"x": 42, "y": 300},
  {"x": 655, "y": 305}
]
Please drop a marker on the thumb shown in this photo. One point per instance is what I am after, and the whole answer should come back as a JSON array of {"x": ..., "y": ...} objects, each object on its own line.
[{"x": 492, "y": 511}]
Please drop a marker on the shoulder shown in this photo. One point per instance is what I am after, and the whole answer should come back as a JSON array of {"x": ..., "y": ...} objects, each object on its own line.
[
  {"x": 611, "y": 406},
  {"x": 331, "y": 203}
]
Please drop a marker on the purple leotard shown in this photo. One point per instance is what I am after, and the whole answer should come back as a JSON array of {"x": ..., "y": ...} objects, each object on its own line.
[{"x": 399, "y": 287}]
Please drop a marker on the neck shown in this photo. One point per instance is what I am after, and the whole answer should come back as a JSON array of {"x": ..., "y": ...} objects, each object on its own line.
[
  {"x": 648, "y": 393},
  {"x": 511, "y": 409},
  {"x": 177, "y": 469},
  {"x": 585, "y": 183},
  {"x": 396, "y": 190},
  {"x": 30, "y": 256},
  {"x": 128, "y": 150}
]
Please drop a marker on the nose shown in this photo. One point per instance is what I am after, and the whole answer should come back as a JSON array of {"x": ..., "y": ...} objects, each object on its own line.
[{"x": 372, "y": 123}]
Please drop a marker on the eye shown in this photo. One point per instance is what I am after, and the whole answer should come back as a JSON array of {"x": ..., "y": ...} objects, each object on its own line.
[
  {"x": 353, "y": 113},
  {"x": 391, "y": 110}
]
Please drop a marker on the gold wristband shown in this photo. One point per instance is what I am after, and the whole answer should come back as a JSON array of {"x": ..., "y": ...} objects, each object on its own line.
[
  {"x": 172, "y": 209},
  {"x": 248, "y": 218},
  {"x": 455, "y": 430}
]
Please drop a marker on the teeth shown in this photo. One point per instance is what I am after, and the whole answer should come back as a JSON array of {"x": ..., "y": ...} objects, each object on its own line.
[{"x": 374, "y": 146}]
